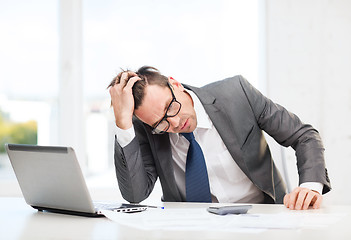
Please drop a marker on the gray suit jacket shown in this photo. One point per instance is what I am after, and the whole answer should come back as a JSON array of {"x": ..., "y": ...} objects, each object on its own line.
[{"x": 240, "y": 113}]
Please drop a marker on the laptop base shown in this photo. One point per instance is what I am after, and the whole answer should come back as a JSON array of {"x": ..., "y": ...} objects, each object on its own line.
[{"x": 68, "y": 212}]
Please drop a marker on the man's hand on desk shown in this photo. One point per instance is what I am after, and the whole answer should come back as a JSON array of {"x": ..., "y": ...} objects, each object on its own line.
[{"x": 301, "y": 198}]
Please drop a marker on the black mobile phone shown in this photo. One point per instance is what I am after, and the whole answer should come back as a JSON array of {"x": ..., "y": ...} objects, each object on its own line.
[{"x": 224, "y": 210}]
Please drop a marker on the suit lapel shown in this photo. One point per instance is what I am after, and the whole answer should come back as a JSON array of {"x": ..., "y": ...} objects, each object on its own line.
[
  {"x": 222, "y": 123},
  {"x": 163, "y": 151},
  {"x": 215, "y": 110}
]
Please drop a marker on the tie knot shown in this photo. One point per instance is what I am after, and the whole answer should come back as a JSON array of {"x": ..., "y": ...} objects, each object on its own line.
[{"x": 188, "y": 136}]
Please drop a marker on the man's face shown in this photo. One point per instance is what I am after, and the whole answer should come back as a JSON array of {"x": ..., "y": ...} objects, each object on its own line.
[{"x": 156, "y": 101}]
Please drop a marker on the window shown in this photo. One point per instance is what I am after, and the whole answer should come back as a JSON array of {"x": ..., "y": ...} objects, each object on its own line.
[
  {"x": 196, "y": 42},
  {"x": 28, "y": 76}
]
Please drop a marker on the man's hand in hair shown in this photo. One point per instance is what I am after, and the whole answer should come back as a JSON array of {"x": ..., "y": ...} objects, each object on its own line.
[{"x": 122, "y": 98}]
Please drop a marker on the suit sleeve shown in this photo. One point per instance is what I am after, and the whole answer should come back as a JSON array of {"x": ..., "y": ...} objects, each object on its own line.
[
  {"x": 135, "y": 170},
  {"x": 288, "y": 130}
]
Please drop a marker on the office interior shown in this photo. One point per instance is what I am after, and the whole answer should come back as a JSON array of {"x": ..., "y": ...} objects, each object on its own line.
[{"x": 58, "y": 56}]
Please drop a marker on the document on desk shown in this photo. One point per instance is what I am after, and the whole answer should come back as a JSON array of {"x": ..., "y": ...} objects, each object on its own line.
[{"x": 200, "y": 219}]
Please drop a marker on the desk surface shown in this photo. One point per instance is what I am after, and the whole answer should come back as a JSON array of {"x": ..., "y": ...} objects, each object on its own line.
[{"x": 19, "y": 221}]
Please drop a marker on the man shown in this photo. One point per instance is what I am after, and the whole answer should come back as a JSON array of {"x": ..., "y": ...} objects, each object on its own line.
[{"x": 155, "y": 116}]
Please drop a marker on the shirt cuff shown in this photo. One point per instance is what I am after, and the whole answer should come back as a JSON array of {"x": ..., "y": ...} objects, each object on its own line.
[
  {"x": 315, "y": 186},
  {"x": 124, "y": 137}
]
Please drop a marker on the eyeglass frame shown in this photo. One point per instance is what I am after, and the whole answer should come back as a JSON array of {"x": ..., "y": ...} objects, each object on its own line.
[{"x": 164, "y": 118}]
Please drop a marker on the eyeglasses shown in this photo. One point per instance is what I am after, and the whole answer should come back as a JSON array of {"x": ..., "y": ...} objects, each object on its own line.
[{"x": 172, "y": 110}]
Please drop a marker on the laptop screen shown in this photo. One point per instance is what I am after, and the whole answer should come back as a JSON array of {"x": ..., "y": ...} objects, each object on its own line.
[{"x": 50, "y": 177}]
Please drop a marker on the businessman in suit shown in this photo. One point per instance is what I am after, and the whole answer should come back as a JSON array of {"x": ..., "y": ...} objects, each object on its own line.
[{"x": 154, "y": 114}]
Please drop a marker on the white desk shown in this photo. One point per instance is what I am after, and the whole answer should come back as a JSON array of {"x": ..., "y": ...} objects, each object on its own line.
[{"x": 19, "y": 221}]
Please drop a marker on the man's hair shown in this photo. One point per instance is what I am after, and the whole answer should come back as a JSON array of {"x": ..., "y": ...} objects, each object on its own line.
[{"x": 149, "y": 76}]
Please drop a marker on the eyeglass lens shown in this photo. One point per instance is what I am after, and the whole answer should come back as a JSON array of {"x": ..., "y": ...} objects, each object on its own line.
[{"x": 172, "y": 111}]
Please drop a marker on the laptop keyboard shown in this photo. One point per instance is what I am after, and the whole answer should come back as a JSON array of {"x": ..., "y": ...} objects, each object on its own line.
[
  {"x": 107, "y": 206},
  {"x": 117, "y": 207}
]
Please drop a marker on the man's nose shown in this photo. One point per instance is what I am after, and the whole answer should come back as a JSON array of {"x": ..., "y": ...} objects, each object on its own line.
[{"x": 174, "y": 121}]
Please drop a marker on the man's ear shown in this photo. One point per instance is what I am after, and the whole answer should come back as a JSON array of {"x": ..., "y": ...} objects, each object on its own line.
[{"x": 176, "y": 84}]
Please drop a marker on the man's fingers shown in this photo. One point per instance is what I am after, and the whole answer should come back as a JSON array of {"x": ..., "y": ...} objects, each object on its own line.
[
  {"x": 286, "y": 200},
  {"x": 125, "y": 77},
  {"x": 115, "y": 80},
  {"x": 318, "y": 202},
  {"x": 119, "y": 90},
  {"x": 118, "y": 78},
  {"x": 121, "y": 81},
  {"x": 310, "y": 198},
  {"x": 301, "y": 198},
  {"x": 292, "y": 199},
  {"x": 131, "y": 82}
]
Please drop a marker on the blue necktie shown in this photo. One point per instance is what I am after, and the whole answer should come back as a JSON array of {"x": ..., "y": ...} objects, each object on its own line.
[{"x": 196, "y": 178}]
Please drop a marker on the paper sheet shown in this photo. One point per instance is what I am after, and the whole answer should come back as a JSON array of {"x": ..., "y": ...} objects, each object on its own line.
[{"x": 200, "y": 219}]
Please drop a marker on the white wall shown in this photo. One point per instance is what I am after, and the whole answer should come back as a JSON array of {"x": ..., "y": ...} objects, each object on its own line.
[{"x": 309, "y": 72}]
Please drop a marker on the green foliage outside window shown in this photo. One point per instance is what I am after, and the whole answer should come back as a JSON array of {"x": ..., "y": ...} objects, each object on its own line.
[{"x": 21, "y": 133}]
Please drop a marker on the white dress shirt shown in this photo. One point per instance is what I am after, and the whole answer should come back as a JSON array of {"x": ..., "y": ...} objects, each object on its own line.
[{"x": 228, "y": 183}]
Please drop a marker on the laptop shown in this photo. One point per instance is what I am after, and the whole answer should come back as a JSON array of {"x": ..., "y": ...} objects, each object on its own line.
[{"x": 51, "y": 179}]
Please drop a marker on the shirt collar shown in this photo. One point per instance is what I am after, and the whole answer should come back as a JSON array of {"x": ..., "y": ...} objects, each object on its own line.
[{"x": 203, "y": 120}]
